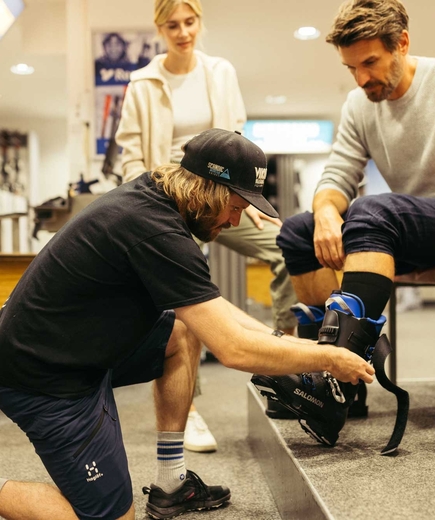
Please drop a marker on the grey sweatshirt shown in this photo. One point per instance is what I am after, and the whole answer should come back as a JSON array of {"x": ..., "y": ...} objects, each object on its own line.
[{"x": 398, "y": 135}]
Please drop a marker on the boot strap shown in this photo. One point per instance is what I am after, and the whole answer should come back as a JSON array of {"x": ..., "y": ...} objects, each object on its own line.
[
  {"x": 359, "y": 335},
  {"x": 381, "y": 352}
]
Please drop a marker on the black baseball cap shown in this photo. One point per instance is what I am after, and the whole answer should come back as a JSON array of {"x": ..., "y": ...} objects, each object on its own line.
[{"x": 231, "y": 159}]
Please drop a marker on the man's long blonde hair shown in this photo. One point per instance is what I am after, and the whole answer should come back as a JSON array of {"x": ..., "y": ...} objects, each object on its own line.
[{"x": 194, "y": 195}]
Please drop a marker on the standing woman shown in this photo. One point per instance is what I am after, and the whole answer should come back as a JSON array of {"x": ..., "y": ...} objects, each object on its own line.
[{"x": 176, "y": 96}]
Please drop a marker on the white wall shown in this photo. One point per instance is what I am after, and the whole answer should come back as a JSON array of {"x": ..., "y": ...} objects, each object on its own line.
[{"x": 310, "y": 168}]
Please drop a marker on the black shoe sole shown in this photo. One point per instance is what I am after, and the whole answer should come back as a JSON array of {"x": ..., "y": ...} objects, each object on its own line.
[
  {"x": 315, "y": 430},
  {"x": 275, "y": 410},
  {"x": 287, "y": 414},
  {"x": 269, "y": 388},
  {"x": 161, "y": 513}
]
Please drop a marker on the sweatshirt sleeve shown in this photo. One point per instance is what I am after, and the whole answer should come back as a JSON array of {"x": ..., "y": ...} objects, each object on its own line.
[
  {"x": 129, "y": 136},
  {"x": 344, "y": 169},
  {"x": 227, "y": 103}
]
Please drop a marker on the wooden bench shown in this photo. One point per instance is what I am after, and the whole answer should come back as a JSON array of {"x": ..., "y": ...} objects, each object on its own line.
[
  {"x": 416, "y": 278},
  {"x": 12, "y": 266}
]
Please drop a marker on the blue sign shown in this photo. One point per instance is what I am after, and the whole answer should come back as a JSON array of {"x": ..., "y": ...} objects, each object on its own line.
[{"x": 285, "y": 136}]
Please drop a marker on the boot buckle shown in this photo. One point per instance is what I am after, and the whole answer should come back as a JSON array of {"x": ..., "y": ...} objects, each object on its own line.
[{"x": 335, "y": 388}]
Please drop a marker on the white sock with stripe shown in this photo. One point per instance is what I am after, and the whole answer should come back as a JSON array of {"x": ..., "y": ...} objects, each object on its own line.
[{"x": 171, "y": 469}]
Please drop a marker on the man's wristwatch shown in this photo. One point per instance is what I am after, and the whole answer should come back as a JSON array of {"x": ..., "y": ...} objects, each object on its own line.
[{"x": 278, "y": 333}]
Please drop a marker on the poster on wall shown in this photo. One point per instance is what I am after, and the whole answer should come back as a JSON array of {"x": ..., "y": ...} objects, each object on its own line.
[{"x": 116, "y": 55}]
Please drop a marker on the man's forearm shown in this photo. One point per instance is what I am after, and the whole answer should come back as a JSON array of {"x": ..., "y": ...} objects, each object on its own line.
[{"x": 332, "y": 199}]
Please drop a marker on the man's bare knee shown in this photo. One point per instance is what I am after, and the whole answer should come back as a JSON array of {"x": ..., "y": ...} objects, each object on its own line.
[{"x": 181, "y": 338}]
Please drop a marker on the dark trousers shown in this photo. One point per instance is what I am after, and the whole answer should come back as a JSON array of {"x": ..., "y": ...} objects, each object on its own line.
[{"x": 402, "y": 226}]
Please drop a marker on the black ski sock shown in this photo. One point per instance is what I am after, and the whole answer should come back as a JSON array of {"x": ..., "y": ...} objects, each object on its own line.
[{"x": 373, "y": 289}]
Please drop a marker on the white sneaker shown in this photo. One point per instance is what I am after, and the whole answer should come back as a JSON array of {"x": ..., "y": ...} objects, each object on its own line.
[{"x": 197, "y": 436}]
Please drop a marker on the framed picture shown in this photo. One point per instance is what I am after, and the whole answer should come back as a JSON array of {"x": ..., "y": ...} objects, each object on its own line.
[{"x": 116, "y": 55}]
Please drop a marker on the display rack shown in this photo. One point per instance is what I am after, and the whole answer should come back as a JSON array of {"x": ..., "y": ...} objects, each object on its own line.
[{"x": 14, "y": 192}]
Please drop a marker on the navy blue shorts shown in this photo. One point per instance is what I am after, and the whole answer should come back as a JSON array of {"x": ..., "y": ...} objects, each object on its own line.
[
  {"x": 402, "y": 226},
  {"x": 80, "y": 441}
]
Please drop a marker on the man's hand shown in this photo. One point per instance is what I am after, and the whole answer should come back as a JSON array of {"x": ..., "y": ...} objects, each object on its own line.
[
  {"x": 328, "y": 244},
  {"x": 348, "y": 367},
  {"x": 257, "y": 216},
  {"x": 328, "y": 206}
]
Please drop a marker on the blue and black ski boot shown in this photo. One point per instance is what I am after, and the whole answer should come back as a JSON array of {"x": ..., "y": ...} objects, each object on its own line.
[{"x": 318, "y": 399}]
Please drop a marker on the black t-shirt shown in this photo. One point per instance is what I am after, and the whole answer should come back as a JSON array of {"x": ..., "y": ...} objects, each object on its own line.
[{"x": 91, "y": 295}]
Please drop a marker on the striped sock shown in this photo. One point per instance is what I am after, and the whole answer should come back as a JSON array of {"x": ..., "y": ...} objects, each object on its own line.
[{"x": 171, "y": 469}]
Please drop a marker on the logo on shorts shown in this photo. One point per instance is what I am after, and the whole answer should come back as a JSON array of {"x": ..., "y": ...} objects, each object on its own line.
[{"x": 93, "y": 472}]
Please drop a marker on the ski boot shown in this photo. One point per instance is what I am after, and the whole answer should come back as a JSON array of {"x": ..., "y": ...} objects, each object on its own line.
[
  {"x": 318, "y": 399},
  {"x": 309, "y": 322}
]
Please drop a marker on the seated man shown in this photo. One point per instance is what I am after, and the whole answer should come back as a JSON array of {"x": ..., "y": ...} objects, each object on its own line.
[
  {"x": 122, "y": 295},
  {"x": 389, "y": 119},
  {"x": 383, "y": 236}
]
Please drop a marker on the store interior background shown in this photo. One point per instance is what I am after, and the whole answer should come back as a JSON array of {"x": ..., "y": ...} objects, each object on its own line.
[{"x": 55, "y": 105}]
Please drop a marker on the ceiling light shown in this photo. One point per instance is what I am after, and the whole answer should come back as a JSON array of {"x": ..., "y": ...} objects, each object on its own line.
[
  {"x": 276, "y": 100},
  {"x": 307, "y": 33},
  {"x": 22, "y": 68}
]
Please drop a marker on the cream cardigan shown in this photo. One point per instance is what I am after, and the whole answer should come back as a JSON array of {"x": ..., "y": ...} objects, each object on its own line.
[{"x": 146, "y": 126}]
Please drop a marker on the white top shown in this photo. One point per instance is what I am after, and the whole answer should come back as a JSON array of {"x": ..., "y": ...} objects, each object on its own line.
[
  {"x": 191, "y": 106},
  {"x": 146, "y": 128}
]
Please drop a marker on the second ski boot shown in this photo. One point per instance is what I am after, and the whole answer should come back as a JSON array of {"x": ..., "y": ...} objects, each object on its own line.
[{"x": 318, "y": 399}]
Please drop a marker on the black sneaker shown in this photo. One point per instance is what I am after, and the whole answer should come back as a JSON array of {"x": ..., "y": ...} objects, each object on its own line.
[{"x": 193, "y": 495}]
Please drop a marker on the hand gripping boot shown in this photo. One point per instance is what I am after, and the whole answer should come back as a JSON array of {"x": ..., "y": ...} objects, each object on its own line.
[
  {"x": 320, "y": 401},
  {"x": 309, "y": 322}
]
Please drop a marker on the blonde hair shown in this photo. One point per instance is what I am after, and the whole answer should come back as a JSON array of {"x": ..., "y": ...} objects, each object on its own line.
[
  {"x": 194, "y": 195},
  {"x": 164, "y": 8},
  {"x": 367, "y": 20}
]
